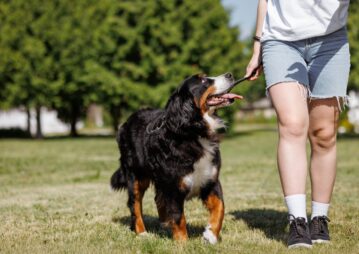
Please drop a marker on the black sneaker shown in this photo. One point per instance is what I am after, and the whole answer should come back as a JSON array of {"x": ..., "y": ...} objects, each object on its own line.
[
  {"x": 319, "y": 229},
  {"x": 299, "y": 235}
]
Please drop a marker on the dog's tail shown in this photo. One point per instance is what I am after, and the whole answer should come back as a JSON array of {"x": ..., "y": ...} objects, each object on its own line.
[{"x": 118, "y": 180}]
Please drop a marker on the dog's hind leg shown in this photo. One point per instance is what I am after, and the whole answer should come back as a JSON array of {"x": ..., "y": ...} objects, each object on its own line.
[
  {"x": 136, "y": 191},
  {"x": 161, "y": 209},
  {"x": 171, "y": 212},
  {"x": 213, "y": 200}
]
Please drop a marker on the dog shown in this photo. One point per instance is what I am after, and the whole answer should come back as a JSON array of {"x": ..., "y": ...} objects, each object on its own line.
[{"x": 177, "y": 150}]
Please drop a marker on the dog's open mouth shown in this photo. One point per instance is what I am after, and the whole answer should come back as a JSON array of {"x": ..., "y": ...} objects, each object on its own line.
[{"x": 222, "y": 99}]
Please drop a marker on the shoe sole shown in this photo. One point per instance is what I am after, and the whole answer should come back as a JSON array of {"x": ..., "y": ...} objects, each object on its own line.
[
  {"x": 300, "y": 245},
  {"x": 320, "y": 241}
]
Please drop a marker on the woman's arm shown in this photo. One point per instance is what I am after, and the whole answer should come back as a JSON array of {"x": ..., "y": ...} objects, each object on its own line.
[{"x": 255, "y": 62}]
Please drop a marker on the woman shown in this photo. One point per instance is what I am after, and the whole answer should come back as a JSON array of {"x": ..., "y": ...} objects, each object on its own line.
[{"x": 304, "y": 49}]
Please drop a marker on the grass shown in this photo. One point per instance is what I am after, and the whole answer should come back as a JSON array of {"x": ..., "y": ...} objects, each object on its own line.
[{"x": 55, "y": 198}]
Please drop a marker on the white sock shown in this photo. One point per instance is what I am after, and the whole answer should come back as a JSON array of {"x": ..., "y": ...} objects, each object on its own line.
[
  {"x": 296, "y": 205},
  {"x": 319, "y": 209}
]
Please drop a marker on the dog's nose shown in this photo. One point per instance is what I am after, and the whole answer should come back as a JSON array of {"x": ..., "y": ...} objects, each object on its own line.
[{"x": 228, "y": 75}]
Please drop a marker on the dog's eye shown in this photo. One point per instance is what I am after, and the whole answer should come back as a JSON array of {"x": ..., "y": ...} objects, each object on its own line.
[{"x": 203, "y": 80}]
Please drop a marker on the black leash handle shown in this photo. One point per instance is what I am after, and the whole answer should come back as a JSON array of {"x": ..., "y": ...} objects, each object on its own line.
[{"x": 245, "y": 78}]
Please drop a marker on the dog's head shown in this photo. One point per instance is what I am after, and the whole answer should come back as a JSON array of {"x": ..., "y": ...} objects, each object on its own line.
[{"x": 191, "y": 107}]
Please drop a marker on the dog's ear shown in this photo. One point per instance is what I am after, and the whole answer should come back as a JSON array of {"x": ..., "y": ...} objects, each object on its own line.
[
  {"x": 182, "y": 116},
  {"x": 179, "y": 111}
]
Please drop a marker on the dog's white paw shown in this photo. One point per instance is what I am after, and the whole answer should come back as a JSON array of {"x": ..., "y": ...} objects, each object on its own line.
[{"x": 209, "y": 236}]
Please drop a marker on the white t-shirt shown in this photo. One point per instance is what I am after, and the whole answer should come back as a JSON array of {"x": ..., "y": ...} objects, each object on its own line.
[{"x": 292, "y": 20}]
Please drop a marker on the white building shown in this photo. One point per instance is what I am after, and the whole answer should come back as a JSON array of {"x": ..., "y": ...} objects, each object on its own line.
[{"x": 17, "y": 118}]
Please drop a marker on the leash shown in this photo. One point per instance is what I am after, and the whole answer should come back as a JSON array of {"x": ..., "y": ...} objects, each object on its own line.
[{"x": 245, "y": 78}]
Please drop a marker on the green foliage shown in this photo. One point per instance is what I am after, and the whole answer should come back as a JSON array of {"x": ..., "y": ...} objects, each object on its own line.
[
  {"x": 27, "y": 68},
  {"x": 158, "y": 45},
  {"x": 121, "y": 54},
  {"x": 354, "y": 44}
]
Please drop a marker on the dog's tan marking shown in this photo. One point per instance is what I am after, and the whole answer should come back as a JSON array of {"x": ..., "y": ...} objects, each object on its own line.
[
  {"x": 216, "y": 209},
  {"x": 139, "y": 190},
  {"x": 179, "y": 231},
  {"x": 203, "y": 100}
]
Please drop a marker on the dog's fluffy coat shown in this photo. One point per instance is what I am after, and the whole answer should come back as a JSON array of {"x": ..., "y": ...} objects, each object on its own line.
[{"x": 177, "y": 150}]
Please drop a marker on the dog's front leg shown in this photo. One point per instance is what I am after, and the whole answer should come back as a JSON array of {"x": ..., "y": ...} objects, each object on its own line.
[
  {"x": 178, "y": 225},
  {"x": 213, "y": 199}
]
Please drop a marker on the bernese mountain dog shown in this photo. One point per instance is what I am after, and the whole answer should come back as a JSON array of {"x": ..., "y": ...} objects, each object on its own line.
[{"x": 177, "y": 150}]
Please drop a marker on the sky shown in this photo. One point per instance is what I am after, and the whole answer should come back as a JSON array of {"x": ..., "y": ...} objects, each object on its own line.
[{"x": 243, "y": 14}]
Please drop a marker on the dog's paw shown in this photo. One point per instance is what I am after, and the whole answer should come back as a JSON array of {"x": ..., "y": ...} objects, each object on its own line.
[{"x": 209, "y": 236}]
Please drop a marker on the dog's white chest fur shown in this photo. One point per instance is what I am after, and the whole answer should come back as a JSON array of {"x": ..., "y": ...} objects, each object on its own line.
[{"x": 204, "y": 170}]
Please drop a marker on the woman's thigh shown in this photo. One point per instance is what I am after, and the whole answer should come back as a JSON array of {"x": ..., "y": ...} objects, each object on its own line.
[
  {"x": 287, "y": 81},
  {"x": 290, "y": 103}
]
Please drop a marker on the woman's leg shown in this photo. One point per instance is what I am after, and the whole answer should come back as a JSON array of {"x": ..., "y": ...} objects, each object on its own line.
[
  {"x": 323, "y": 115},
  {"x": 289, "y": 101}
]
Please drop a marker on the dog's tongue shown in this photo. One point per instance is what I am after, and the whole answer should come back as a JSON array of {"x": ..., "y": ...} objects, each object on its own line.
[{"x": 231, "y": 96}]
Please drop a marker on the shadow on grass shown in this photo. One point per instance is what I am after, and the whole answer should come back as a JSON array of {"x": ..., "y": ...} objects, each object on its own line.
[
  {"x": 152, "y": 225},
  {"x": 273, "y": 223}
]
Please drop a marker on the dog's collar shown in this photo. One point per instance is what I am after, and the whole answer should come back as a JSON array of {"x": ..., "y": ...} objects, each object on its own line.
[{"x": 156, "y": 125}]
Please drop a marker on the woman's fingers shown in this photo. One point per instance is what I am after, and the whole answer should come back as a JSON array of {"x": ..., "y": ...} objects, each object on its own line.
[{"x": 257, "y": 72}]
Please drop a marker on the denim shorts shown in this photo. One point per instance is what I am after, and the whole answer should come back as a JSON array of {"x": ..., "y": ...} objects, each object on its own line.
[{"x": 321, "y": 64}]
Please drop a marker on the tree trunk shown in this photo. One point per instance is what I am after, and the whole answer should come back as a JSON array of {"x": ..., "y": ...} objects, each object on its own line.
[
  {"x": 38, "y": 123},
  {"x": 28, "y": 121},
  {"x": 73, "y": 132},
  {"x": 115, "y": 114},
  {"x": 73, "y": 121}
]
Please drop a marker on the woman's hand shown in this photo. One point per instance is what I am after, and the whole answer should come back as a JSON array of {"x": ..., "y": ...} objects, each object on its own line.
[{"x": 254, "y": 67}]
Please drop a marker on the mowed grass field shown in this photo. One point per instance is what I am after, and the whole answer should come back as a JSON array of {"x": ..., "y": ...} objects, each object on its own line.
[{"x": 55, "y": 198}]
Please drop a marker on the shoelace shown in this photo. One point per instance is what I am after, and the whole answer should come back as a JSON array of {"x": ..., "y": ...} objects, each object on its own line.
[
  {"x": 296, "y": 222},
  {"x": 319, "y": 226}
]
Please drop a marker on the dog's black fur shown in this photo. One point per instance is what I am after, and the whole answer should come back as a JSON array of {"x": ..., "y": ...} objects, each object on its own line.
[{"x": 162, "y": 147}]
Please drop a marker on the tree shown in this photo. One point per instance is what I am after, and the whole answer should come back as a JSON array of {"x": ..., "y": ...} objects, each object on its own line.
[
  {"x": 70, "y": 37},
  {"x": 122, "y": 54},
  {"x": 353, "y": 30},
  {"x": 148, "y": 47},
  {"x": 27, "y": 70},
  {"x": 47, "y": 44}
]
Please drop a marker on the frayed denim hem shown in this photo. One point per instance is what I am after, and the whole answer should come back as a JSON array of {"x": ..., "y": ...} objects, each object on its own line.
[{"x": 343, "y": 101}]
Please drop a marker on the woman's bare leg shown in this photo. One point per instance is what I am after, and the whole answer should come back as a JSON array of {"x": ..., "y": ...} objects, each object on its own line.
[
  {"x": 323, "y": 115},
  {"x": 290, "y": 103}
]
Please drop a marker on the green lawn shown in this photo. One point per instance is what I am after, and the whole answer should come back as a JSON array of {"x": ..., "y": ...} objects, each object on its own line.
[{"x": 55, "y": 198}]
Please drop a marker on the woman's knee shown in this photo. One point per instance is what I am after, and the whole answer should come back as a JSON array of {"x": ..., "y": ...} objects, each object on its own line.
[
  {"x": 323, "y": 138},
  {"x": 293, "y": 127}
]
